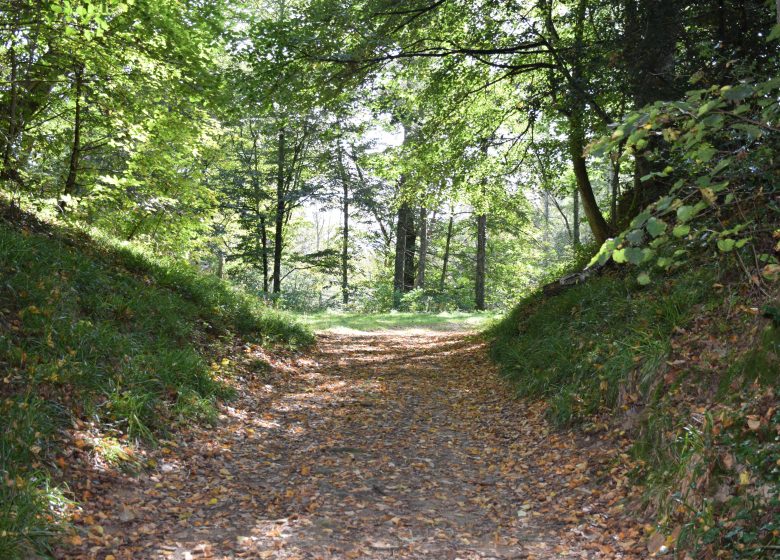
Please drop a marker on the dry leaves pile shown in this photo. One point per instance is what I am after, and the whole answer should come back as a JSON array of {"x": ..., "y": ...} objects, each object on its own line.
[{"x": 402, "y": 445}]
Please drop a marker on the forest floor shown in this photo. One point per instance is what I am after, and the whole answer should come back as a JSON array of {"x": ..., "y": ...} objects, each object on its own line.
[{"x": 392, "y": 444}]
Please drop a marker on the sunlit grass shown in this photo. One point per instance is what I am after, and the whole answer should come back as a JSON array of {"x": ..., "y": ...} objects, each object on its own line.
[{"x": 445, "y": 321}]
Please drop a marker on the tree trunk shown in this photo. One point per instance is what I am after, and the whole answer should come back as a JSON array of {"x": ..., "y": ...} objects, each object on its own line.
[
  {"x": 345, "y": 234},
  {"x": 400, "y": 254},
  {"x": 264, "y": 255},
  {"x": 615, "y": 180},
  {"x": 576, "y": 219},
  {"x": 599, "y": 226},
  {"x": 479, "y": 285},
  {"x": 420, "y": 282},
  {"x": 446, "y": 257},
  {"x": 279, "y": 218},
  {"x": 75, "y": 152},
  {"x": 411, "y": 249},
  {"x": 7, "y": 171},
  {"x": 576, "y": 117},
  {"x": 220, "y": 264},
  {"x": 651, "y": 31}
]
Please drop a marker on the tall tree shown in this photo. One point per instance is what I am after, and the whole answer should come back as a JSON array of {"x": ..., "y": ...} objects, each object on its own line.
[
  {"x": 479, "y": 284},
  {"x": 281, "y": 207},
  {"x": 345, "y": 226},
  {"x": 446, "y": 257},
  {"x": 421, "y": 262},
  {"x": 75, "y": 152},
  {"x": 401, "y": 237}
]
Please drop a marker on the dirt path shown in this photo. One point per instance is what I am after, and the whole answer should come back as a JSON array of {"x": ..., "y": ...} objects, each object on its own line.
[{"x": 378, "y": 445}]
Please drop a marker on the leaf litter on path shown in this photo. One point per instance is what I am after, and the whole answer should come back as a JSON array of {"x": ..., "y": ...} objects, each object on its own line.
[{"x": 376, "y": 445}]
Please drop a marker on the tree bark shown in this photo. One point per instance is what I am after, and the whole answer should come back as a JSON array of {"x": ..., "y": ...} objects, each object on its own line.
[
  {"x": 615, "y": 183},
  {"x": 652, "y": 28},
  {"x": 575, "y": 114},
  {"x": 479, "y": 284},
  {"x": 75, "y": 152},
  {"x": 420, "y": 282},
  {"x": 8, "y": 170},
  {"x": 411, "y": 249},
  {"x": 345, "y": 233},
  {"x": 220, "y": 264},
  {"x": 651, "y": 31},
  {"x": 279, "y": 218},
  {"x": 599, "y": 226},
  {"x": 264, "y": 256},
  {"x": 260, "y": 211},
  {"x": 400, "y": 254},
  {"x": 576, "y": 219},
  {"x": 446, "y": 257}
]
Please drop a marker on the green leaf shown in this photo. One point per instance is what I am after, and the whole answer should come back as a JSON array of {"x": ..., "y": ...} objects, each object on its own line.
[
  {"x": 719, "y": 187},
  {"x": 604, "y": 253},
  {"x": 658, "y": 242},
  {"x": 635, "y": 236},
  {"x": 640, "y": 220},
  {"x": 643, "y": 279},
  {"x": 726, "y": 245},
  {"x": 722, "y": 164},
  {"x": 619, "y": 256},
  {"x": 664, "y": 262},
  {"x": 663, "y": 203},
  {"x": 655, "y": 227},
  {"x": 709, "y": 106},
  {"x": 634, "y": 255},
  {"x": 685, "y": 213},
  {"x": 737, "y": 93},
  {"x": 752, "y": 130},
  {"x": 681, "y": 231},
  {"x": 705, "y": 154}
]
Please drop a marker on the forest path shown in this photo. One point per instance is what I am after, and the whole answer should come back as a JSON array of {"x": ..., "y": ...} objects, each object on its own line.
[{"x": 398, "y": 444}]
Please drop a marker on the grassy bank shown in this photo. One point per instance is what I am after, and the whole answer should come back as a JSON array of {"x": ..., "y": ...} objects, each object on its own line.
[
  {"x": 689, "y": 367},
  {"x": 98, "y": 333}
]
